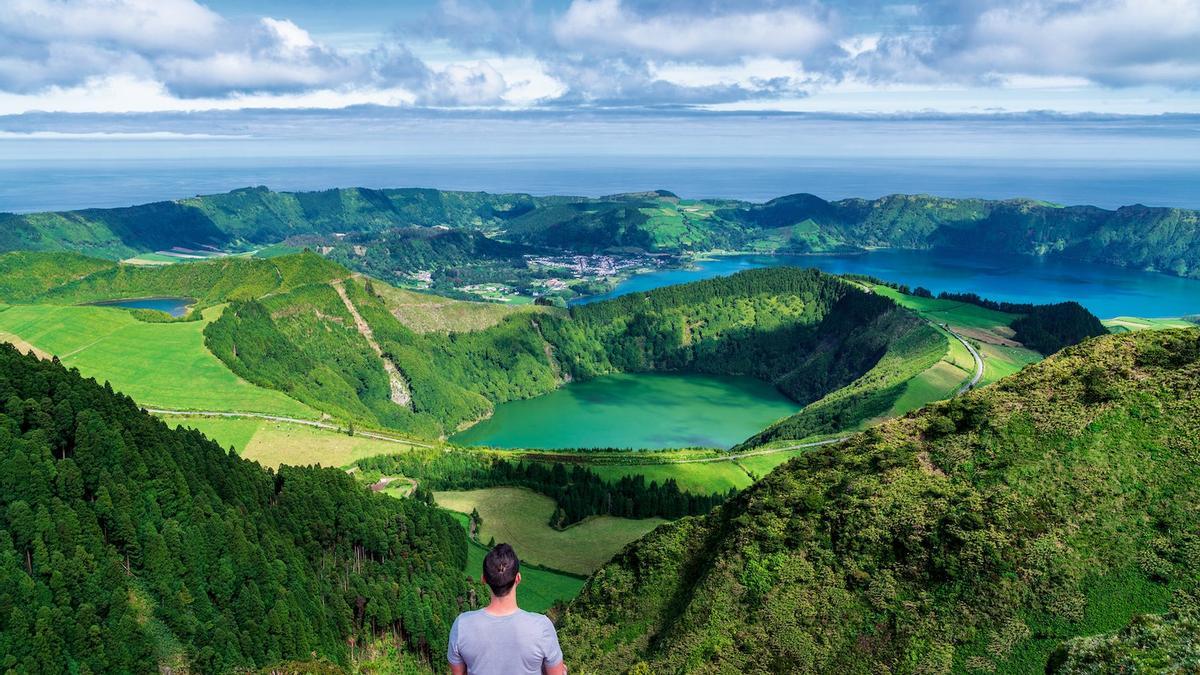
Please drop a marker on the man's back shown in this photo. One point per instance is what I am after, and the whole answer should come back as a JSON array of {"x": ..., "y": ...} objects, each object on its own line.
[{"x": 520, "y": 642}]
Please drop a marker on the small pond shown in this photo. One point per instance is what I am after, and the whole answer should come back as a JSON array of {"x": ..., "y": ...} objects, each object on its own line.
[{"x": 176, "y": 307}]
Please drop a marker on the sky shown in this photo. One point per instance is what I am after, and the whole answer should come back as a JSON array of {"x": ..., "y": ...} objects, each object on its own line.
[{"x": 308, "y": 72}]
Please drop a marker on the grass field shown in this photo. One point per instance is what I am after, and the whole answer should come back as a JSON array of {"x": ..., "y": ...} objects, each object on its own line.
[
  {"x": 426, "y": 313},
  {"x": 539, "y": 588},
  {"x": 952, "y": 312},
  {"x": 1000, "y": 361},
  {"x": 762, "y": 465},
  {"x": 273, "y": 443},
  {"x": 521, "y": 518},
  {"x": 697, "y": 477},
  {"x": 1124, "y": 324},
  {"x": 937, "y": 382},
  {"x": 162, "y": 365}
]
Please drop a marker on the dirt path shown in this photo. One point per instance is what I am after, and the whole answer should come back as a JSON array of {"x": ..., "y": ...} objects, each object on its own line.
[
  {"x": 279, "y": 418},
  {"x": 400, "y": 392}
]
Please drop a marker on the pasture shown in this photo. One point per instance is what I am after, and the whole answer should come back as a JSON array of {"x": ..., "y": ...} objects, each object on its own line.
[
  {"x": 539, "y": 589},
  {"x": 694, "y": 477},
  {"x": 159, "y": 365},
  {"x": 521, "y": 517},
  {"x": 272, "y": 443},
  {"x": 424, "y": 313}
]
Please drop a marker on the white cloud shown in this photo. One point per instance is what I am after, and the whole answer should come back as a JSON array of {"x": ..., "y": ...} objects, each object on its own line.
[
  {"x": 1108, "y": 42},
  {"x": 169, "y": 26},
  {"x": 467, "y": 85},
  {"x": 610, "y": 25}
]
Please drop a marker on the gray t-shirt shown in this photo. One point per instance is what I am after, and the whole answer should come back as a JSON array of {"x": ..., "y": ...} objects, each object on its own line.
[{"x": 521, "y": 642}]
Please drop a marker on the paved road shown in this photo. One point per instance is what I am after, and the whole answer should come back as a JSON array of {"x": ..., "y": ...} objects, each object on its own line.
[
  {"x": 290, "y": 420},
  {"x": 978, "y": 363}
]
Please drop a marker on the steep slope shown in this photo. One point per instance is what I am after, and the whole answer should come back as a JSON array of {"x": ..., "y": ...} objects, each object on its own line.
[
  {"x": 974, "y": 535},
  {"x": 1151, "y": 643},
  {"x": 126, "y": 546},
  {"x": 1163, "y": 239}
]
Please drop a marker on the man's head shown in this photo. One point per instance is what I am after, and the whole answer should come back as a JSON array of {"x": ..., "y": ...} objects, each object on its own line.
[{"x": 501, "y": 570}]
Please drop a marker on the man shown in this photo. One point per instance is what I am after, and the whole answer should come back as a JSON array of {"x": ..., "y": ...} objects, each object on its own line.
[{"x": 503, "y": 639}]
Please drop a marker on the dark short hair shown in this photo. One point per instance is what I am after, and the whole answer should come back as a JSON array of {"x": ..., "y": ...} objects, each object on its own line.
[{"x": 500, "y": 567}]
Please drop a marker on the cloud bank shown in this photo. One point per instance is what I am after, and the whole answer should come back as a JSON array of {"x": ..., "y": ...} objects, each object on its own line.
[{"x": 111, "y": 55}]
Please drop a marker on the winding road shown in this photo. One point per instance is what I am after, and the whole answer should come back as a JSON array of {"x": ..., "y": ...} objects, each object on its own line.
[{"x": 967, "y": 386}]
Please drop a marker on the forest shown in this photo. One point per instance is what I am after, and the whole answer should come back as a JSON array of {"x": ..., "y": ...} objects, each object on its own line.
[
  {"x": 1044, "y": 328},
  {"x": 125, "y": 544}
]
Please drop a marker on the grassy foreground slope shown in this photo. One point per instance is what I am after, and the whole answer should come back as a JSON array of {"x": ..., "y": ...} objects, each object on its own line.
[{"x": 977, "y": 534}]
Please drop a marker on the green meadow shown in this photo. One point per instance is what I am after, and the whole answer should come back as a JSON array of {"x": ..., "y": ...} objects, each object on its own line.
[
  {"x": 1124, "y": 324},
  {"x": 521, "y": 517},
  {"x": 540, "y": 588},
  {"x": 160, "y": 365},
  {"x": 272, "y": 443},
  {"x": 695, "y": 477}
]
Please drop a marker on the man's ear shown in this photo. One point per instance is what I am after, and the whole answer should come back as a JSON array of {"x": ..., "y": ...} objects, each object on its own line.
[{"x": 517, "y": 580}]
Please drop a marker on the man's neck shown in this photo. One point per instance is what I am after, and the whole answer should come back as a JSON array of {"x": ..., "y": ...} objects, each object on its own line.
[{"x": 503, "y": 606}]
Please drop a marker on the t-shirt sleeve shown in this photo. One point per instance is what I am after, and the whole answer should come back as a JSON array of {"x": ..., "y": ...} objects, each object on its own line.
[
  {"x": 551, "y": 653},
  {"x": 452, "y": 653}
]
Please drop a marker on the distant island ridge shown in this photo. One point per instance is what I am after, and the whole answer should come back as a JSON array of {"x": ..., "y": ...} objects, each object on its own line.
[{"x": 1159, "y": 239}]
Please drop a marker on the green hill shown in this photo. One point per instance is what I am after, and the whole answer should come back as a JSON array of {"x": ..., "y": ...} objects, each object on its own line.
[
  {"x": 1142, "y": 237},
  {"x": 126, "y": 546},
  {"x": 283, "y": 324},
  {"x": 975, "y": 535}
]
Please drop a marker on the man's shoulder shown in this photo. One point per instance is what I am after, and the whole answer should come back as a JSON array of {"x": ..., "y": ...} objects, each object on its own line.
[
  {"x": 520, "y": 616},
  {"x": 535, "y": 619}
]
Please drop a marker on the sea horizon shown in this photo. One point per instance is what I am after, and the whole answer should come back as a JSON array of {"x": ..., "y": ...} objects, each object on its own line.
[{"x": 80, "y": 183}]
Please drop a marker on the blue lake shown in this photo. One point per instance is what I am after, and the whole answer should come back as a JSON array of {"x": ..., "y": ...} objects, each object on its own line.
[
  {"x": 1106, "y": 290},
  {"x": 176, "y": 307}
]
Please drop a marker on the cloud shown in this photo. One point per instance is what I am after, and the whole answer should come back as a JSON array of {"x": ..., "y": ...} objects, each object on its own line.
[
  {"x": 611, "y": 26},
  {"x": 1112, "y": 43},
  {"x": 180, "y": 54}
]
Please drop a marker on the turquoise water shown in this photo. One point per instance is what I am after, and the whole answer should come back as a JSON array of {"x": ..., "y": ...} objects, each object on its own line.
[
  {"x": 636, "y": 411},
  {"x": 1106, "y": 290},
  {"x": 176, "y": 307}
]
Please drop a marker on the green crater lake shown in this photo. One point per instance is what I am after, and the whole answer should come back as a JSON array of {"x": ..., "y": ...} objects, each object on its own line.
[{"x": 645, "y": 410}]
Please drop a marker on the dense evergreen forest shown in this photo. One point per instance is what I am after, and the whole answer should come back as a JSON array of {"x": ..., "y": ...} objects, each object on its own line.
[
  {"x": 1043, "y": 328},
  {"x": 578, "y": 491},
  {"x": 978, "y": 534},
  {"x": 126, "y": 546},
  {"x": 1141, "y": 237}
]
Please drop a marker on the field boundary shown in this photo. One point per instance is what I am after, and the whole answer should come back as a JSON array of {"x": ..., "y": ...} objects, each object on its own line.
[{"x": 291, "y": 420}]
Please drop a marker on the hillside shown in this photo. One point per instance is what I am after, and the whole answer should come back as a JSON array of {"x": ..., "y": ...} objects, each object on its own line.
[
  {"x": 126, "y": 546},
  {"x": 806, "y": 332},
  {"x": 976, "y": 534},
  {"x": 1141, "y": 237},
  {"x": 362, "y": 351}
]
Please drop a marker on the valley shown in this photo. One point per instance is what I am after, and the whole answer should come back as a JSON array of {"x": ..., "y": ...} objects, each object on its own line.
[{"x": 585, "y": 430}]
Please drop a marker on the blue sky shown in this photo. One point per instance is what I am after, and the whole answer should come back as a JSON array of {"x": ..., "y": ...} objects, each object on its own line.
[{"x": 142, "y": 70}]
